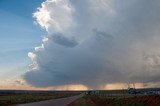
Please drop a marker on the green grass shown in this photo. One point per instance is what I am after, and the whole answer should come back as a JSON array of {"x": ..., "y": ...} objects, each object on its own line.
[
  {"x": 27, "y": 98},
  {"x": 84, "y": 101},
  {"x": 114, "y": 92}
]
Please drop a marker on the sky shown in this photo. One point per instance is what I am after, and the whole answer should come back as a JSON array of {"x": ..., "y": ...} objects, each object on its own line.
[
  {"x": 19, "y": 35},
  {"x": 79, "y": 44}
]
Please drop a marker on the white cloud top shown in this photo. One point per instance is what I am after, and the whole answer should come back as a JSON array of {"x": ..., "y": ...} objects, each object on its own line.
[{"x": 95, "y": 42}]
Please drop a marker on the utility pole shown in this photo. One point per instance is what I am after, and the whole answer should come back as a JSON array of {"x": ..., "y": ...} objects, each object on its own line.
[{"x": 134, "y": 87}]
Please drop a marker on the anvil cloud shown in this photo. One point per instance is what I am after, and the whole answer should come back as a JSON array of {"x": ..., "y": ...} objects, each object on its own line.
[{"x": 95, "y": 42}]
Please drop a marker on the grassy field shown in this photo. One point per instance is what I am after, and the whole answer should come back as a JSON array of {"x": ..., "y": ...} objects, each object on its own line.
[
  {"x": 113, "y": 92},
  {"x": 129, "y": 101},
  {"x": 20, "y": 97},
  {"x": 9, "y": 99}
]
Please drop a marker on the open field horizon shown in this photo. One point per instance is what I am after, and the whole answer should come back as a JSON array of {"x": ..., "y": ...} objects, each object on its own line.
[
  {"x": 80, "y": 52},
  {"x": 90, "y": 97}
]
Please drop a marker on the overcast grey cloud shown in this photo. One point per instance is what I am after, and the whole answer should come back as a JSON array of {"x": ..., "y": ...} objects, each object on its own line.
[{"x": 95, "y": 42}]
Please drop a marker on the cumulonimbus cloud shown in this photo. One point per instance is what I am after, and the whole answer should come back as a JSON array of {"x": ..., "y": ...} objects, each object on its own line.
[{"x": 94, "y": 42}]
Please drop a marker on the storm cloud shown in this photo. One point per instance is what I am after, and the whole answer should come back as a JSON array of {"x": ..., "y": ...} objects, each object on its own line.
[{"x": 95, "y": 42}]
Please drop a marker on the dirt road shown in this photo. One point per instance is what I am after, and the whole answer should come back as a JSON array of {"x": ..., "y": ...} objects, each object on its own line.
[{"x": 55, "y": 102}]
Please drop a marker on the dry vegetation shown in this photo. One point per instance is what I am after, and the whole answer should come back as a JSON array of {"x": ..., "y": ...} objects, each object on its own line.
[{"x": 129, "y": 101}]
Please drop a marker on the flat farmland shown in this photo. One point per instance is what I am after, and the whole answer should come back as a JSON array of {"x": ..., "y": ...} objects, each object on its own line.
[
  {"x": 128, "y": 101},
  {"x": 20, "y": 97}
]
